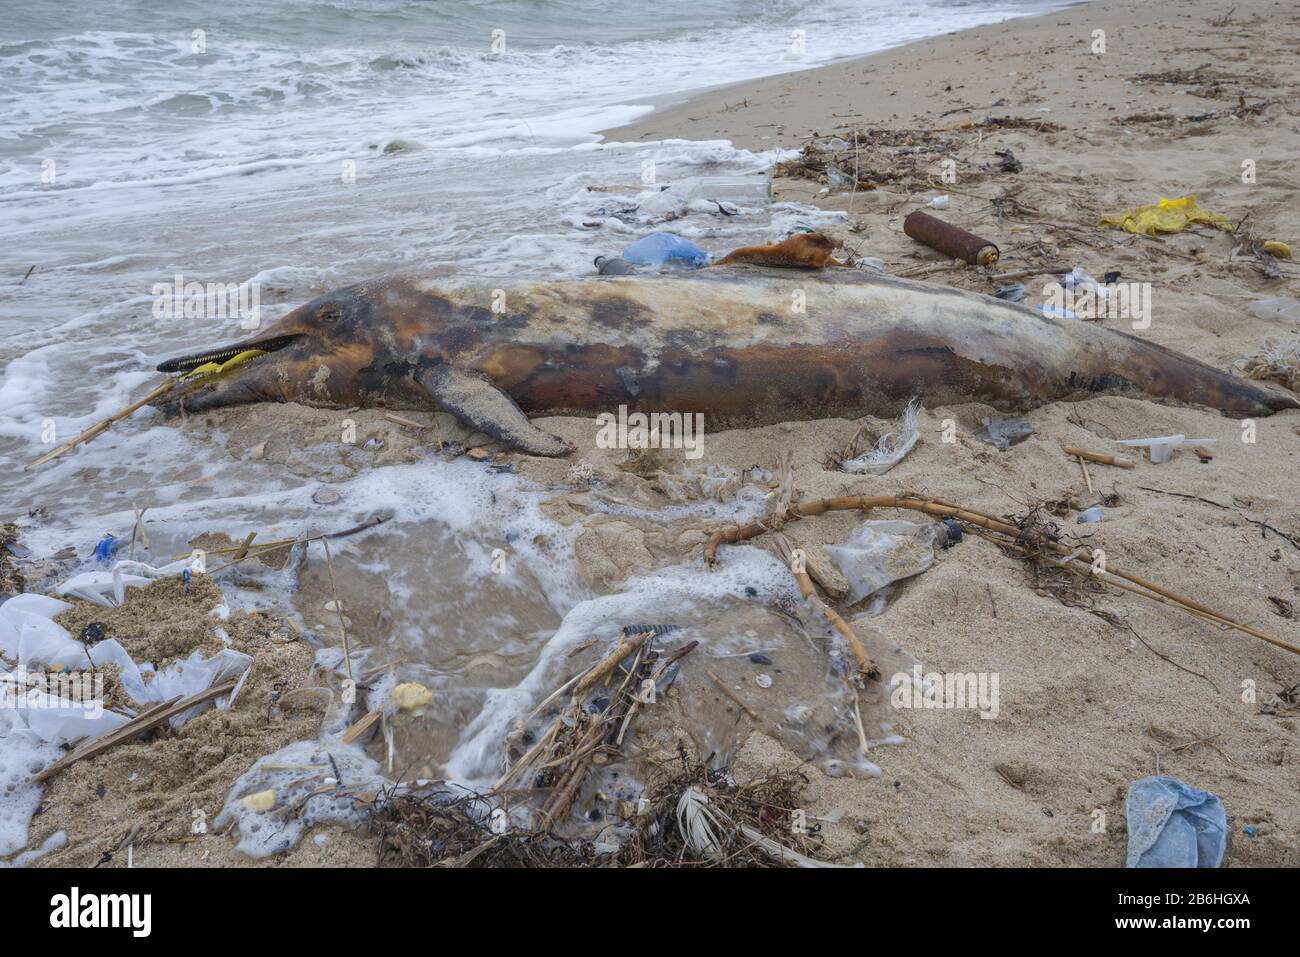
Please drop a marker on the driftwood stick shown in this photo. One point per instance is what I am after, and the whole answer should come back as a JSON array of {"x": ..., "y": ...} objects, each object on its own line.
[
  {"x": 809, "y": 593},
  {"x": 362, "y": 726},
  {"x": 942, "y": 509},
  {"x": 146, "y": 721},
  {"x": 1100, "y": 457},
  {"x": 735, "y": 698},
  {"x": 610, "y": 661},
  {"x": 101, "y": 426}
]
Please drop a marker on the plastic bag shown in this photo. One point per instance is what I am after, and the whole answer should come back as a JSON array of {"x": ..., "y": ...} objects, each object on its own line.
[
  {"x": 1171, "y": 824},
  {"x": 882, "y": 552},
  {"x": 1166, "y": 216},
  {"x": 658, "y": 249}
]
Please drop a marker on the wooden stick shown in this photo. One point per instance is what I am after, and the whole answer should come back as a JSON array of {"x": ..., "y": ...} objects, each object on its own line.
[
  {"x": 362, "y": 726},
  {"x": 941, "y": 509},
  {"x": 101, "y": 427},
  {"x": 1099, "y": 457},
  {"x": 809, "y": 593},
  {"x": 1083, "y": 467},
  {"x": 244, "y": 545},
  {"x": 722, "y": 686},
  {"x": 146, "y": 721},
  {"x": 401, "y": 420},
  {"x": 338, "y": 606},
  {"x": 610, "y": 661}
]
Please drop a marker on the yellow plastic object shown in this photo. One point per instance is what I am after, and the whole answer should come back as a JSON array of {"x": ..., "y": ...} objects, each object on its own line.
[
  {"x": 212, "y": 368},
  {"x": 410, "y": 696},
  {"x": 259, "y": 803},
  {"x": 1275, "y": 247},
  {"x": 1166, "y": 216}
]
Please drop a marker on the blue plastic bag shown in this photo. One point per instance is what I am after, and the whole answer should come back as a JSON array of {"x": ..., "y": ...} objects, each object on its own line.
[
  {"x": 658, "y": 249},
  {"x": 1171, "y": 824}
]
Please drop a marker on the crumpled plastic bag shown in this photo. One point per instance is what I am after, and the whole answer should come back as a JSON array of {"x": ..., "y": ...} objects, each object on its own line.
[
  {"x": 1166, "y": 216},
  {"x": 882, "y": 552},
  {"x": 29, "y": 636},
  {"x": 109, "y": 588},
  {"x": 1171, "y": 824}
]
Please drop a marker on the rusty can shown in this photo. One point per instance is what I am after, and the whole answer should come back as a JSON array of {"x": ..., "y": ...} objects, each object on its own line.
[{"x": 950, "y": 240}]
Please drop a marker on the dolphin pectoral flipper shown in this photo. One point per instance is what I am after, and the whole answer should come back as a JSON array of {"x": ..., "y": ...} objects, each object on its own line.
[{"x": 478, "y": 403}]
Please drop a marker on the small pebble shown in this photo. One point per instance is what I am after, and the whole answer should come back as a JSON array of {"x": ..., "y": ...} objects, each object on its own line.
[{"x": 759, "y": 659}]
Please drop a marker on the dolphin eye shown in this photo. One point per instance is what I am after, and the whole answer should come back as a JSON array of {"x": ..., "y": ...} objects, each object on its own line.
[{"x": 329, "y": 313}]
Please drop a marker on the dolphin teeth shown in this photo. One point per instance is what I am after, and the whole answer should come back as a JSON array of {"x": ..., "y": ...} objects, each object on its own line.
[{"x": 193, "y": 362}]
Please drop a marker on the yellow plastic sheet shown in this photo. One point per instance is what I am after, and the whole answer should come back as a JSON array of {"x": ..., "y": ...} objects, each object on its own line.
[
  {"x": 1166, "y": 216},
  {"x": 213, "y": 368}
]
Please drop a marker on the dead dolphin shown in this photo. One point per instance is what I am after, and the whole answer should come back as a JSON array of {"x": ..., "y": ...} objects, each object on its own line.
[{"x": 743, "y": 346}]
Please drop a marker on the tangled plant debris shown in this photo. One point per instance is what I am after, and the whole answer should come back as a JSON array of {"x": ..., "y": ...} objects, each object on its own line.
[{"x": 689, "y": 815}]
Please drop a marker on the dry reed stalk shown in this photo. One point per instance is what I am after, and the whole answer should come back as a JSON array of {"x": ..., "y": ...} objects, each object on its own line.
[
  {"x": 102, "y": 426},
  {"x": 809, "y": 592},
  {"x": 145, "y": 721},
  {"x": 735, "y": 698},
  {"x": 1100, "y": 457},
  {"x": 942, "y": 509}
]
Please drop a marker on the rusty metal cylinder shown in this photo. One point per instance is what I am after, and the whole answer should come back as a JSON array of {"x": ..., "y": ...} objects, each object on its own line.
[{"x": 950, "y": 240}]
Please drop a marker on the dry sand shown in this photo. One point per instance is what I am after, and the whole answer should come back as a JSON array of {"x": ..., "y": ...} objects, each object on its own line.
[{"x": 1086, "y": 706}]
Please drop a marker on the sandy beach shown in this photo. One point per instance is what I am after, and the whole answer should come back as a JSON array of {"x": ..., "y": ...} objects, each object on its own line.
[
  {"x": 1086, "y": 707},
  {"x": 1098, "y": 687}
]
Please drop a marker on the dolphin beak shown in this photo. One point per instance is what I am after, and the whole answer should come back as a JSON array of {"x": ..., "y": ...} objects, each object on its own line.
[{"x": 222, "y": 354}]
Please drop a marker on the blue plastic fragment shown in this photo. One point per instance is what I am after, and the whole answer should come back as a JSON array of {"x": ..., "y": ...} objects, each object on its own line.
[
  {"x": 1058, "y": 312},
  {"x": 1171, "y": 824},
  {"x": 108, "y": 547}
]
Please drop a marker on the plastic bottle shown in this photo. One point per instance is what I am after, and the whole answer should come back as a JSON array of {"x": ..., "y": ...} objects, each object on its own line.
[{"x": 615, "y": 266}]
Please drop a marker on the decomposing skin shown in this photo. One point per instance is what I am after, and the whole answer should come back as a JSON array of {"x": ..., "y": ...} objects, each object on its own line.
[
  {"x": 743, "y": 346},
  {"x": 799, "y": 251}
]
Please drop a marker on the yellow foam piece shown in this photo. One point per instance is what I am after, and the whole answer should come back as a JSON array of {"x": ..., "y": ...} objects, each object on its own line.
[{"x": 1166, "y": 216}]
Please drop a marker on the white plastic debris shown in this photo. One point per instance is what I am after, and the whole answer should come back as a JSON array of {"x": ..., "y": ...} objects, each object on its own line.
[
  {"x": 941, "y": 202},
  {"x": 1161, "y": 448},
  {"x": 1277, "y": 310},
  {"x": 48, "y": 698},
  {"x": 109, "y": 588},
  {"x": 892, "y": 447},
  {"x": 1080, "y": 281},
  {"x": 287, "y": 793},
  {"x": 882, "y": 552}
]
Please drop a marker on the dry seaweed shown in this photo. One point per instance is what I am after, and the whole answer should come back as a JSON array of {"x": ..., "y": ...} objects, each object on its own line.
[{"x": 447, "y": 829}]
